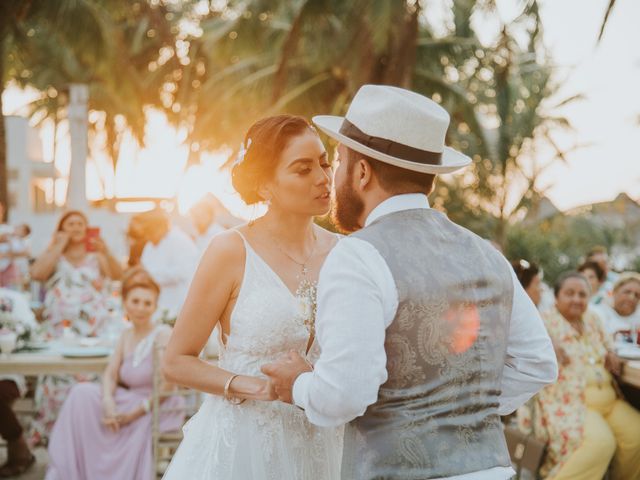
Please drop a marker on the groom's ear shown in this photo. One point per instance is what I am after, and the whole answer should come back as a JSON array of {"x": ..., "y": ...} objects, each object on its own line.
[{"x": 363, "y": 174}]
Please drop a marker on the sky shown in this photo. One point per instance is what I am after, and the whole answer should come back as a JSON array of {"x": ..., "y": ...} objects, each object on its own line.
[{"x": 606, "y": 122}]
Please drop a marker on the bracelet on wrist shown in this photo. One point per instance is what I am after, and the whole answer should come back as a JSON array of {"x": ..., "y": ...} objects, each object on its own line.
[{"x": 233, "y": 400}]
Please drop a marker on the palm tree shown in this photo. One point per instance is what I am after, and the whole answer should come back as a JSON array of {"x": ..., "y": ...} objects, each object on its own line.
[
  {"x": 257, "y": 58},
  {"x": 605, "y": 20},
  {"x": 125, "y": 66},
  {"x": 514, "y": 93},
  {"x": 63, "y": 19}
]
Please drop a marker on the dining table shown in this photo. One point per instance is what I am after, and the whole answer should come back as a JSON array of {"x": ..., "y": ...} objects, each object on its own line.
[{"x": 55, "y": 359}]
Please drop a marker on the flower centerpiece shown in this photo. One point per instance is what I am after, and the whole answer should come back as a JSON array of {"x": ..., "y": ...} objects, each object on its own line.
[{"x": 16, "y": 316}]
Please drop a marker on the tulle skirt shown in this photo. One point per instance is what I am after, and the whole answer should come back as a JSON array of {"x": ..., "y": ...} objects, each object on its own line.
[{"x": 255, "y": 440}]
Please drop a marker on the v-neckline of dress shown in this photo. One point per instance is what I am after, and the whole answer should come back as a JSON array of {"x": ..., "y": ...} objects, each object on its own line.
[{"x": 283, "y": 284}]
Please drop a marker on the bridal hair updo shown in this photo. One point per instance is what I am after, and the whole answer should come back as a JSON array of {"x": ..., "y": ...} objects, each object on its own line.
[{"x": 261, "y": 150}]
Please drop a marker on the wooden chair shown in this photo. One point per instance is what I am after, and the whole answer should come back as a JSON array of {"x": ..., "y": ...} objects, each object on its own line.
[{"x": 165, "y": 444}]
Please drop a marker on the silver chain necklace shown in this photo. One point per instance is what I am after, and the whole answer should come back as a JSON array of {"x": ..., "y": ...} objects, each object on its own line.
[{"x": 304, "y": 269}]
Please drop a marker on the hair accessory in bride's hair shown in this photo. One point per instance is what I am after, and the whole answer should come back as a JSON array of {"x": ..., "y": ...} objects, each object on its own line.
[{"x": 242, "y": 151}]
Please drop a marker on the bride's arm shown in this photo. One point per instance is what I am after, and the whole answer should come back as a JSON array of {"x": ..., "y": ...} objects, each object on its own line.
[{"x": 217, "y": 278}]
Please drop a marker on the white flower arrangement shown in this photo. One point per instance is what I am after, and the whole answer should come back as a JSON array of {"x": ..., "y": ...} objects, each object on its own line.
[
  {"x": 307, "y": 305},
  {"x": 16, "y": 316}
]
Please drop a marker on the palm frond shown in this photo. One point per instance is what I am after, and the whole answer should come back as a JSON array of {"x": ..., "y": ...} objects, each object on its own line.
[{"x": 606, "y": 19}]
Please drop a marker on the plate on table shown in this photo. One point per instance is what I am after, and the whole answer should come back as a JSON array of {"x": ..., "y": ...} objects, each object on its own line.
[
  {"x": 35, "y": 346},
  {"x": 85, "y": 352},
  {"x": 629, "y": 352},
  {"x": 89, "y": 342}
]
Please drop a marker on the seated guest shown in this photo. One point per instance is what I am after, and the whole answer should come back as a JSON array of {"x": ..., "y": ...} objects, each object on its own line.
[
  {"x": 600, "y": 256},
  {"x": 75, "y": 269},
  {"x": 530, "y": 278},
  {"x": 582, "y": 419},
  {"x": 596, "y": 277},
  {"x": 17, "y": 317},
  {"x": 170, "y": 257},
  {"x": 623, "y": 315},
  {"x": 113, "y": 438},
  {"x": 22, "y": 253},
  {"x": 14, "y": 256},
  {"x": 13, "y": 249}
]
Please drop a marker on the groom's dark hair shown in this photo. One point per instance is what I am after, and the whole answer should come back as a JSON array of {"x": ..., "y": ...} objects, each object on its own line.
[{"x": 392, "y": 179}]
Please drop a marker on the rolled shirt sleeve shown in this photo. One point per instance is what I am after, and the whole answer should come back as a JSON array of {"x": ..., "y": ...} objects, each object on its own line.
[{"x": 357, "y": 300}]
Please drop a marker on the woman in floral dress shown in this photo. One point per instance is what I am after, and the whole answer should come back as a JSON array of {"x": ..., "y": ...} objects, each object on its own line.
[
  {"x": 76, "y": 272},
  {"x": 584, "y": 421}
]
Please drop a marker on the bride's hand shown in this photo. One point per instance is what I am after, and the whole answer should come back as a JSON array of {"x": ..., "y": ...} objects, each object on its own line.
[
  {"x": 253, "y": 388},
  {"x": 268, "y": 391}
]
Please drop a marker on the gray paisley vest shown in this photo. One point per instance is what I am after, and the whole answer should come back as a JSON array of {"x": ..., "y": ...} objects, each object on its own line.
[{"x": 436, "y": 416}]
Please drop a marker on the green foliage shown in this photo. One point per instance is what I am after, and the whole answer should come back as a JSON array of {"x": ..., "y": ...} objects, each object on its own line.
[
  {"x": 118, "y": 61},
  {"x": 560, "y": 244},
  {"x": 240, "y": 60}
]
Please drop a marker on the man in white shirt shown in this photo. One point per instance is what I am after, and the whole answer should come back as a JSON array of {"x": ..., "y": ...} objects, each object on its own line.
[
  {"x": 171, "y": 258},
  {"x": 203, "y": 219},
  {"x": 426, "y": 335}
]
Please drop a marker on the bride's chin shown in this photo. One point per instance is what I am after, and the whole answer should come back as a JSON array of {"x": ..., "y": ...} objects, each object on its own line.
[{"x": 321, "y": 212}]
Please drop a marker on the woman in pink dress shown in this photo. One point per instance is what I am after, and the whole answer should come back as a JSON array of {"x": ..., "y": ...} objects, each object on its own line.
[{"x": 104, "y": 431}]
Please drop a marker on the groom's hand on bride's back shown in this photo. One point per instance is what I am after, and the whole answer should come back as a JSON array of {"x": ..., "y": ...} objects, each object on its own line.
[{"x": 283, "y": 374}]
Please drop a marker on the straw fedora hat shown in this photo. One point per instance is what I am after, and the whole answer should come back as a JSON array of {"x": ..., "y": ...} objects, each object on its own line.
[{"x": 398, "y": 127}]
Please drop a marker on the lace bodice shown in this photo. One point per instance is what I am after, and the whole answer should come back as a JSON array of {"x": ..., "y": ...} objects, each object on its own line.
[
  {"x": 267, "y": 320},
  {"x": 259, "y": 440}
]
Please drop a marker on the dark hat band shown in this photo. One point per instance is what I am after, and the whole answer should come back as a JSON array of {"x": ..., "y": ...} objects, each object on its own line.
[{"x": 389, "y": 147}]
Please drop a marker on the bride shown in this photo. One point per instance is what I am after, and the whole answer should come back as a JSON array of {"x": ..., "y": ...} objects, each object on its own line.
[{"x": 258, "y": 283}]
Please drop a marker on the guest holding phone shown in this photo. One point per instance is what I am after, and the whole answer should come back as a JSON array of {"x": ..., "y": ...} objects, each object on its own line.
[{"x": 75, "y": 268}]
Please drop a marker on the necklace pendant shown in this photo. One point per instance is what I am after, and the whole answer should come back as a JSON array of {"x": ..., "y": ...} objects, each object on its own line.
[{"x": 304, "y": 269}]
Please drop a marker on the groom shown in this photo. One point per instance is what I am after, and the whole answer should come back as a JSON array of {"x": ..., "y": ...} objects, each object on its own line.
[{"x": 425, "y": 333}]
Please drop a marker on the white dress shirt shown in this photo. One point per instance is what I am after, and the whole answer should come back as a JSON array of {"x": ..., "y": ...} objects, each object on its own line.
[
  {"x": 351, "y": 335},
  {"x": 171, "y": 263},
  {"x": 614, "y": 322}
]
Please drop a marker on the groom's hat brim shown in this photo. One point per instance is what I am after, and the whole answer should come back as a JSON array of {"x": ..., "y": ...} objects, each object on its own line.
[{"x": 452, "y": 160}]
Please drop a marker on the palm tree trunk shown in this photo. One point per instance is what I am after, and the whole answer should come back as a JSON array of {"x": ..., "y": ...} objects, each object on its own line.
[
  {"x": 4, "y": 171},
  {"x": 402, "y": 50},
  {"x": 288, "y": 51}
]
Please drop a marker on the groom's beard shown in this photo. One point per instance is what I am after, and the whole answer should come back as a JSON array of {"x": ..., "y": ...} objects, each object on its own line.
[{"x": 347, "y": 208}]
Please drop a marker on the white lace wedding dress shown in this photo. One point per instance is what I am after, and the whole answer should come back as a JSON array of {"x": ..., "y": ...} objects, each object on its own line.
[{"x": 258, "y": 440}]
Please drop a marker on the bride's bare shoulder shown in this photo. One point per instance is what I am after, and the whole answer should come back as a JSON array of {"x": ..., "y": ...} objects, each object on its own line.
[{"x": 225, "y": 247}]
